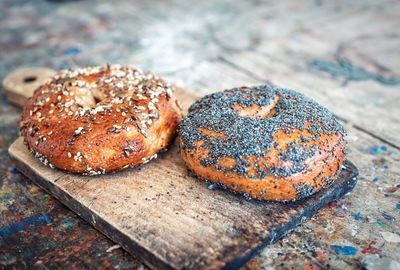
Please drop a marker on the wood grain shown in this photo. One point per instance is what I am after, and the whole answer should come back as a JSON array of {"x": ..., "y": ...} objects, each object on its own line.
[
  {"x": 169, "y": 218},
  {"x": 353, "y": 73}
]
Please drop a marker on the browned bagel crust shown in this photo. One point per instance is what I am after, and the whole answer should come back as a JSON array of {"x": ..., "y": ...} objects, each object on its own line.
[
  {"x": 271, "y": 144},
  {"x": 100, "y": 119}
]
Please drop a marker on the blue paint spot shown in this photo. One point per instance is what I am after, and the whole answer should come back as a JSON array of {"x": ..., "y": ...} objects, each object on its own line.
[
  {"x": 36, "y": 220},
  {"x": 357, "y": 216},
  {"x": 377, "y": 149},
  {"x": 68, "y": 224},
  {"x": 387, "y": 216},
  {"x": 345, "y": 250},
  {"x": 6, "y": 103},
  {"x": 398, "y": 206},
  {"x": 12, "y": 170},
  {"x": 72, "y": 51},
  {"x": 376, "y": 179},
  {"x": 343, "y": 67},
  {"x": 313, "y": 253},
  {"x": 64, "y": 66},
  {"x": 379, "y": 223}
]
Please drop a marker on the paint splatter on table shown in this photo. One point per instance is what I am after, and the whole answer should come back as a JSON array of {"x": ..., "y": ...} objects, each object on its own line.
[{"x": 328, "y": 50}]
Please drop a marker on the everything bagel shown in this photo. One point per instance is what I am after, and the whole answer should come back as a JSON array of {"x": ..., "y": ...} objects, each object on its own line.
[
  {"x": 100, "y": 119},
  {"x": 270, "y": 143}
]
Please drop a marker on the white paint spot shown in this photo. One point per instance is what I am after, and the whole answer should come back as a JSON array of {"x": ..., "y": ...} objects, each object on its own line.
[{"x": 391, "y": 237}]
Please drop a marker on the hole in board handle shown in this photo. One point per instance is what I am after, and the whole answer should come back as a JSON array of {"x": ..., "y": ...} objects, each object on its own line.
[{"x": 30, "y": 79}]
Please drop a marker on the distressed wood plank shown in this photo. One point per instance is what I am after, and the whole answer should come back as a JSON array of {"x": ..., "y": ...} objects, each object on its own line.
[{"x": 353, "y": 73}]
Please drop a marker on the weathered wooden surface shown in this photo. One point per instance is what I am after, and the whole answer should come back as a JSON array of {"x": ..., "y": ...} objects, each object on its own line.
[
  {"x": 167, "y": 217},
  {"x": 329, "y": 49},
  {"x": 172, "y": 220}
]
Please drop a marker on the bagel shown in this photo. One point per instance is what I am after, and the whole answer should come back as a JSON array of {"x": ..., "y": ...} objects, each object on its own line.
[
  {"x": 268, "y": 143},
  {"x": 100, "y": 119}
]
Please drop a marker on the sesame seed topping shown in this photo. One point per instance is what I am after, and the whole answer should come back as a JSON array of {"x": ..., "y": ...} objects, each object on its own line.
[{"x": 90, "y": 97}]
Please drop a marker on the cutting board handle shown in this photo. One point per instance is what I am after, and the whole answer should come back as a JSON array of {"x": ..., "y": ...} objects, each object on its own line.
[{"x": 20, "y": 84}]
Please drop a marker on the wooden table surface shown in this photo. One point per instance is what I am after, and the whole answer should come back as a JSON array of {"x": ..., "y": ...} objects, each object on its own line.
[{"x": 344, "y": 54}]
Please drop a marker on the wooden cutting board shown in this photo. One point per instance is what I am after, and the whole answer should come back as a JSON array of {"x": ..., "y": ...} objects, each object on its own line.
[{"x": 170, "y": 219}]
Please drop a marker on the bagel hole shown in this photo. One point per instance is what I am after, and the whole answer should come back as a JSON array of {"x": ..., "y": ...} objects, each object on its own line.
[
  {"x": 97, "y": 95},
  {"x": 256, "y": 111},
  {"x": 96, "y": 99},
  {"x": 30, "y": 79}
]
